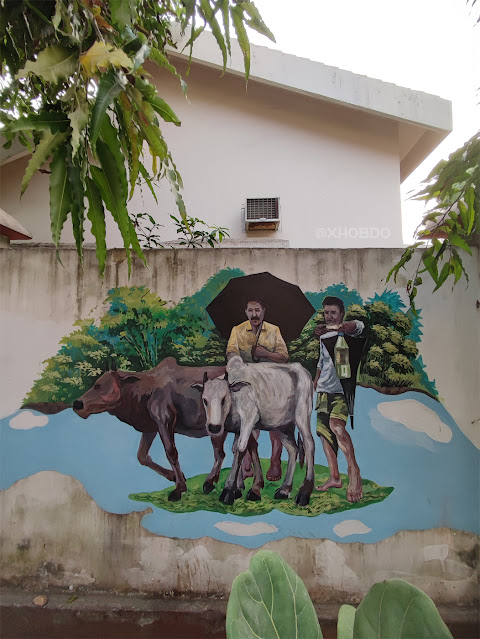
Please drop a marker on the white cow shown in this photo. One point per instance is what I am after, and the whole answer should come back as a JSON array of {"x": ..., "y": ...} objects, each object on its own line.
[{"x": 264, "y": 396}]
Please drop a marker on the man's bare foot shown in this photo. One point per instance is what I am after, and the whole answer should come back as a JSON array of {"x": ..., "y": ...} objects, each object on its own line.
[
  {"x": 355, "y": 489},
  {"x": 330, "y": 483},
  {"x": 274, "y": 473}
]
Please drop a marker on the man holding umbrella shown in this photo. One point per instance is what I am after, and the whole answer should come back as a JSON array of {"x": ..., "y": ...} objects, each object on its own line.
[{"x": 255, "y": 340}]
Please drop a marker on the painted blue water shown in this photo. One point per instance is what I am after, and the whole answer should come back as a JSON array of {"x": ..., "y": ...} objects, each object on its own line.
[{"x": 435, "y": 484}]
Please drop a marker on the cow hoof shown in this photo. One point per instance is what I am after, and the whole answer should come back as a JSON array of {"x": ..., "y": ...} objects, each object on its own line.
[
  {"x": 174, "y": 496},
  {"x": 302, "y": 499},
  {"x": 229, "y": 495},
  {"x": 281, "y": 494},
  {"x": 208, "y": 487},
  {"x": 251, "y": 496}
]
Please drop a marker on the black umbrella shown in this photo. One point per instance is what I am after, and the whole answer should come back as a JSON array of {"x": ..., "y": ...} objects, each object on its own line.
[{"x": 286, "y": 305}]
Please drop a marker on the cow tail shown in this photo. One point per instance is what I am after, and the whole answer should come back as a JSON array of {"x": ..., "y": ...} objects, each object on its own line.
[{"x": 301, "y": 451}]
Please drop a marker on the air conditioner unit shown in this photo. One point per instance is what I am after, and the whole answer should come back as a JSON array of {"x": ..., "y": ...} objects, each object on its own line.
[{"x": 262, "y": 214}]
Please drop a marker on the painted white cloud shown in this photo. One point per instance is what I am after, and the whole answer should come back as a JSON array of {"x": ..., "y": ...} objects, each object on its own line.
[
  {"x": 26, "y": 420},
  {"x": 245, "y": 530},
  {"x": 351, "y": 527},
  {"x": 417, "y": 417}
]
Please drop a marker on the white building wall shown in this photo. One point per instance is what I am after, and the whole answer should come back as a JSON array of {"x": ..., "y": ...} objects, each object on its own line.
[{"x": 336, "y": 170}]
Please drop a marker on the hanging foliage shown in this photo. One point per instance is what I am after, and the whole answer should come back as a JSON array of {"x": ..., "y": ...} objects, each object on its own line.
[
  {"x": 75, "y": 92},
  {"x": 452, "y": 191}
]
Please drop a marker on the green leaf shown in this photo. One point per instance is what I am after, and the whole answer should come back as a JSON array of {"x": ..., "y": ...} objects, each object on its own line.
[
  {"x": 148, "y": 181},
  {"x": 470, "y": 214},
  {"x": 53, "y": 121},
  {"x": 456, "y": 240},
  {"x": 78, "y": 122},
  {"x": 53, "y": 64},
  {"x": 270, "y": 600},
  {"x": 237, "y": 18},
  {"x": 162, "y": 61},
  {"x": 209, "y": 17},
  {"x": 109, "y": 135},
  {"x": 60, "y": 201},
  {"x": 153, "y": 136},
  {"x": 161, "y": 107},
  {"x": 395, "y": 608},
  {"x": 444, "y": 273},
  {"x": 346, "y": 620},
  {"x": 96, "y": 215},
  {"x": 131, "y": 136},
  {"x": 76, "y": 185},
  {"x": 256, "y": 21},
  {"x": 43, "y": 151},
  {"x": 108, "y": 181},
  {"x": 122, "y": 12},
  {"x": 111, "y": 84}
]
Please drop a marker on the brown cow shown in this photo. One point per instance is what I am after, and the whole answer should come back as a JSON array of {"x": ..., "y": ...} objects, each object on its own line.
[{"x": 161, "y": 401}]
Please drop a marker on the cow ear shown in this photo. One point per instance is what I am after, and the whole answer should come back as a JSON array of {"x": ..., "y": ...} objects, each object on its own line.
[
  {"x": 198, "y": 387},
  {"x": 236, "y": 386},
  {"x": 113, "y": 365},
  {"x": 225, "y": 377},
  {"x": 205, "y": 377}
]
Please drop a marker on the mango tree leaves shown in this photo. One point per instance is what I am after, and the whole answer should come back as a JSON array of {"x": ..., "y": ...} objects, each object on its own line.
[
  {"x": 110, "y": 86},
  {"x": 43, "y": 151},
  {"x": 101, "y": 55},
  {"x": 79, "y": 93},
  {"x": 60, "y": 198},
  {"x": 53, "y": 64},
  {"x": 452, "y": 190},
  {"x": 270, "y": 600},
  {"x": 398, "y": 610},
  {"x": 96, "y": 215},
  {"x": 78, "y": 121}
]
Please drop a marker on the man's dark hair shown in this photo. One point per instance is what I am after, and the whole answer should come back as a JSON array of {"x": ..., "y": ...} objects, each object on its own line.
[
  {"x": 334, "y": 301},
  {"x": 255, "y": 298}
]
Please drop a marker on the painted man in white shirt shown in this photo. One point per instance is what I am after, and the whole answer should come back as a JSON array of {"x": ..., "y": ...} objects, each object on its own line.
[{"x": 332, "y": 408}]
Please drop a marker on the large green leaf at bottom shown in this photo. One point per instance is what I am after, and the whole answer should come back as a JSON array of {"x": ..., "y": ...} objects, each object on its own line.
[
  {"x": 398, "y": 610},
  {"x": 270, "y": 601},
  {"x": 77, "y": 191},
  {"x": 60, "y": 201},
  {"x": 346, "y": 620}
]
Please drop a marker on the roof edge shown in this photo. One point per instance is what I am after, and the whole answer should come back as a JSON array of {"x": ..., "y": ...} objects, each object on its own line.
[{"x": 320, "y": 81}]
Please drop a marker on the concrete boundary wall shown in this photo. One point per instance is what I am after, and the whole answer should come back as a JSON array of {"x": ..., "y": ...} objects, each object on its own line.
[{"x": 54, "y": 533}]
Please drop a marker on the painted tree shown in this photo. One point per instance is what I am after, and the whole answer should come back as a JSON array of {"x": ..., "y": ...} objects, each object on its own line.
[{"x": 75, "y": 91}]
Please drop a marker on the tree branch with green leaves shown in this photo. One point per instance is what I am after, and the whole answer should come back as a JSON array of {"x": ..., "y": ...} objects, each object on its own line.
[
  {"x": 75, "y": 92},
  {"x": 451, "y": 223}
]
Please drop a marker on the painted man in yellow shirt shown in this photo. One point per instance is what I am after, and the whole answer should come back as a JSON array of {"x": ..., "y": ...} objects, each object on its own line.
[{"x": 258, "y": 341}]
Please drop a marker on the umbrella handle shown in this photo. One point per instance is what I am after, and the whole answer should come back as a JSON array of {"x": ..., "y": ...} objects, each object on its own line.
[{"x": 256, "y": 360}]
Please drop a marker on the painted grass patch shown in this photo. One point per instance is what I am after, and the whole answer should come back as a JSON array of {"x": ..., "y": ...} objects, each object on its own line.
[{"x": 332, "y": 501}]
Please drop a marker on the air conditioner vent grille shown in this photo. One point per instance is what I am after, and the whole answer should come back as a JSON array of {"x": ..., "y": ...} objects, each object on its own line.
[{"x": 262, "y": 208}]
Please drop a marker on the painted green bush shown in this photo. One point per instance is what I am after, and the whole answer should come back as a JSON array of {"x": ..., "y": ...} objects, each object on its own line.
[
  {"x": 269, "y": 600},
  {"x": 332, "y": 501},
  {"x": 140, "y": 329}
]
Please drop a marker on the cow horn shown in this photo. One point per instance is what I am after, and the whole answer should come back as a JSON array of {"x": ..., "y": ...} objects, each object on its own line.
[
  {"x": 226, "y": 376},
  {"x": 113, "y": 365},
  {"x": 205, "y": 377}
]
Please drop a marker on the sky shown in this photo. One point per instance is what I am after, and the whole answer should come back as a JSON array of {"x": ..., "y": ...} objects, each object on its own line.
[{"x": 426, "y": 45}]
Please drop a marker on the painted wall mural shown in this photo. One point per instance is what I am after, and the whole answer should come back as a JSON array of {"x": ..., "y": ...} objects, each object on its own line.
[{"x": 166, "y": 391}]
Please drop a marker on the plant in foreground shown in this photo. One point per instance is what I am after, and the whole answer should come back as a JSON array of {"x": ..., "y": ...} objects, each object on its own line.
[{"x": 270, "y": 601}]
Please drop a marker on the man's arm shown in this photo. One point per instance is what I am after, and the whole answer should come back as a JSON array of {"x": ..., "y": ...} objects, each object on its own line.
[
  {"x": 352, "y": 327},
  {"x": 280, "y": 353}
]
